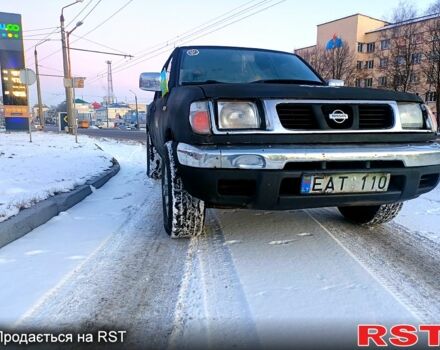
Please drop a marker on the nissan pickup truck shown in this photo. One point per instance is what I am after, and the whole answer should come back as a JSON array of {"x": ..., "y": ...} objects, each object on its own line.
[{"x": 233, "y": 127}]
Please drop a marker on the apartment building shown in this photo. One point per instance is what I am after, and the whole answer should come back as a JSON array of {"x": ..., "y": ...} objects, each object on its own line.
[{"x": 381, "y": 54}]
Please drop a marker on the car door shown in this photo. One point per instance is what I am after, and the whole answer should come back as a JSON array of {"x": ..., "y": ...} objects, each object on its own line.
[{"x": 158, "y": 110}]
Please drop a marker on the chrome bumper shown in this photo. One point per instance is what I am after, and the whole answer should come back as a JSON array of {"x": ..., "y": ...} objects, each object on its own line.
[{"x": 276, "y": 157}]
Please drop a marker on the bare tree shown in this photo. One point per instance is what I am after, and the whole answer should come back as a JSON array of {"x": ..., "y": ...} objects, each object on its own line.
[
  {"x": 340, "y": 63},
  {"x": 404, "y": 46},
  {"x": 334, "y": 63},
  {"x": 316, "y": 58},
  {"x": 431, "y": 62}
]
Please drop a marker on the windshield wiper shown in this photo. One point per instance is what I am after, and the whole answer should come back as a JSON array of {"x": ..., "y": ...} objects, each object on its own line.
[{"x": 288, "y": 81}]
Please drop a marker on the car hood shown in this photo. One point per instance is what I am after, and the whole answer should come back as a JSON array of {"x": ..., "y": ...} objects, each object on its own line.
[{"x": 294, "y": 91}]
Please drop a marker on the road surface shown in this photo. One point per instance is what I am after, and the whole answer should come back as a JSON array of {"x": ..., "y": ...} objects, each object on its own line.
[
  {"x": 135, "y": 135},
  {"x": 255, "y": 279}
]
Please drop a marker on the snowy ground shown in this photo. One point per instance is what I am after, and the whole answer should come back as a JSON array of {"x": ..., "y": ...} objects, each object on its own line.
[
  {"x": 423, "y": 215},
  {"x": 52, "y": 163},
  {"x": 256, "y": 278}
]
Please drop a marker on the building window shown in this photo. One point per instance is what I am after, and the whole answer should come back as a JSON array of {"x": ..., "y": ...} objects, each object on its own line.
[
  {"x": 413, "y": 78},
  {"x": 383, "y": 63},
  {"x": 371, "y": 47},
  {"x": 416, "y": 58},
  {"x": 385, "y": 44},
  {"x": 382, "y": 81},
  {"x": 430, "y": 96},
  {"x": 369, "y": 64},
  {"x": 360, "y": 47},
  {"x": 400, "y": 60},
  {"x": 359, "y": 64},
  {"x": 368, "y": 82},
  {"x": 357, "y": 83}
]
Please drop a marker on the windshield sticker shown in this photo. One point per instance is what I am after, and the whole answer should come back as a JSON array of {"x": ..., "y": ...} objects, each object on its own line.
[{"x": 192, "y": 52}]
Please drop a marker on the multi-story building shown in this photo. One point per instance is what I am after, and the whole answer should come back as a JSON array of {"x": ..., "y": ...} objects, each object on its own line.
[{"x": 381, "y": 54}]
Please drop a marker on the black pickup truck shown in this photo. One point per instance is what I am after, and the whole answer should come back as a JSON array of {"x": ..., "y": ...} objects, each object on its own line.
[{"x": 234, "y": 127}]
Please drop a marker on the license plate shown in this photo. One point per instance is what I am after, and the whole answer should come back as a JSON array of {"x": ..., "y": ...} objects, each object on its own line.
[{"x": 345, "y": 183}]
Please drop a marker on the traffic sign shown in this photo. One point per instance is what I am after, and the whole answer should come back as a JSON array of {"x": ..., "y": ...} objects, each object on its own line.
[{"x": 27, "y": 76}]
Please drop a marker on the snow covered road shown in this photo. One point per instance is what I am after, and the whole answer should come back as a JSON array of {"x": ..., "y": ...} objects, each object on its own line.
[{"x": 255, "y": 278}]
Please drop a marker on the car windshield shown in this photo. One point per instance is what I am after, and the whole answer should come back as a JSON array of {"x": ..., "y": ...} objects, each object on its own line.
[{"x": 231, "y": 65}]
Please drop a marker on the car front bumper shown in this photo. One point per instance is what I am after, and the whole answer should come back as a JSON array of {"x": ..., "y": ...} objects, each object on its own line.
[
  {"x": 276, "y": 157},
  {"x": 270, "y": 177}
]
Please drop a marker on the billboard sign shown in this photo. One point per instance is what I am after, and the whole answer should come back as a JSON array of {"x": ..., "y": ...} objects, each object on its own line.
[{"x": 14, "y": 92}]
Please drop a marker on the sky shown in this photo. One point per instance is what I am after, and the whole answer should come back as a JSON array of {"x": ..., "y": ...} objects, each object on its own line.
[{"x": 143, "y": 26}]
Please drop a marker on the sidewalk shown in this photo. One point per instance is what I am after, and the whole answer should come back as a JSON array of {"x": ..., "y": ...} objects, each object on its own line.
[{"x": 52, "y": 166}]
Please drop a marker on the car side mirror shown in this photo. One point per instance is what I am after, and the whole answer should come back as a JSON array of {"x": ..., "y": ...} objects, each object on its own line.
[
  {"x": 335, "y": 82},
  {"x": 149, "y": 81}
]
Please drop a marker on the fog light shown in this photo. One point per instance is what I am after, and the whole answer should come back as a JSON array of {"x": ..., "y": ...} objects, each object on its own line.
[{"x": 249, "y": 161}]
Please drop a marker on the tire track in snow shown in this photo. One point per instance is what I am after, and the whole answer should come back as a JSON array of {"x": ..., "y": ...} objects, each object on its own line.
[
  {"x": 211, "y": 307},
  {"x": 403, "y": 262}
]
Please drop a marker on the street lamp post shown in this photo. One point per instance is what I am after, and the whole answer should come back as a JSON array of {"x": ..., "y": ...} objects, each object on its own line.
[
  {"x": 40, "y": 105},
  {"x": 75, "y": 119},
  {"x": 69, "y": 101},
  {"x": 137, "y": 110}
]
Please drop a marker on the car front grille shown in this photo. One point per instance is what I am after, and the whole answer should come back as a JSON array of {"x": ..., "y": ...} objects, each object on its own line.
[
  {"x": 327, "y": 116},
  {"x": 375, "y": 117},
  {"x": 297, "y": 116}
]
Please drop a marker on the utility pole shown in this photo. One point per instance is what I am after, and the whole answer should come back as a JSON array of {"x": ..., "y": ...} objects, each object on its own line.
[
  {"x": 137, "y": 110},
  {"x": 69, "y": 101},
  {"x": 110, "y": 96},
  {"x": 110, "y": 93},
  {"x": 40, "y": 104}
]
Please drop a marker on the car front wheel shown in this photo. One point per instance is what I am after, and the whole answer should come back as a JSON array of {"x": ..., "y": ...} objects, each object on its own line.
[
  {"x": 371, "y": 215},
  {"x": 183, "y": 214}
]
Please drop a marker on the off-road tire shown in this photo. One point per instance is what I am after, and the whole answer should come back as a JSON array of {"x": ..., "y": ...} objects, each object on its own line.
[
  {"x": 371, "y": 215},
  {"x": 183, "y": 214},
  {"x": 154, "y": 161}
]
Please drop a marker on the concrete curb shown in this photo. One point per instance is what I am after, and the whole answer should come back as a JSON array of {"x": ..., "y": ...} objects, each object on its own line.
[{"x": 28, "y": 219}]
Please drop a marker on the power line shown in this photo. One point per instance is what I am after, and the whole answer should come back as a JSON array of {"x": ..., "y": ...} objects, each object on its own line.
[
  {"x": 88, "y": 13},
  {"x": 99, "y": 44},
  {"x": 38, "y": 30},
  {"x": 79, "y": 13},
  {"x": 103, "y": 52},
  {"x": 194, "y": 31},
  {"x": 40, "y": 34},
  {"x": 154, "y": 54},
  {"x": 106, "y": 20},
  {"x": 96, "y": 27}
]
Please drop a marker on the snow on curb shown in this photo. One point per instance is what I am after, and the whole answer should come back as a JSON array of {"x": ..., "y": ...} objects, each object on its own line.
[
  {"x": 28, "y": 219},
  {"x": 42, "y": 178}
]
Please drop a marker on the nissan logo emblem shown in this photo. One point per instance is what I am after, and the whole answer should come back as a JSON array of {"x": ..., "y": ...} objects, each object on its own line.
[{"x": 338, "y": 116}]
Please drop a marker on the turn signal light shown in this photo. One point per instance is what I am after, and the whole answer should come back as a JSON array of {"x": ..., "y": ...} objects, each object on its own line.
[{"x": 199, "y": 118}]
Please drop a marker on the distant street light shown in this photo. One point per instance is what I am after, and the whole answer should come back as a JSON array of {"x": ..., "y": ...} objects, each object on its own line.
[
  {"x": 137, "y": 110},
  {"x": 80, "y": 23},
  {"x": 66, "y": 68}
]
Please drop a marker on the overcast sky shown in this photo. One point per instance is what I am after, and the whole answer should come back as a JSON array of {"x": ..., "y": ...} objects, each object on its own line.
[{"x": 142, "y": 24}]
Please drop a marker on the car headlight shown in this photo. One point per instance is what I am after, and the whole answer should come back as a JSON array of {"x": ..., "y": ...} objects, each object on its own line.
[
  {"x": 431, "y": 119},
  {"x": 238, "y": 115},
  {"x": 411, "y": 116}
]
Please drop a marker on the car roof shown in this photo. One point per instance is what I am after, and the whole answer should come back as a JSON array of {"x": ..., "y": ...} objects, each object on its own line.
[{"x": 230, "y": 47}]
